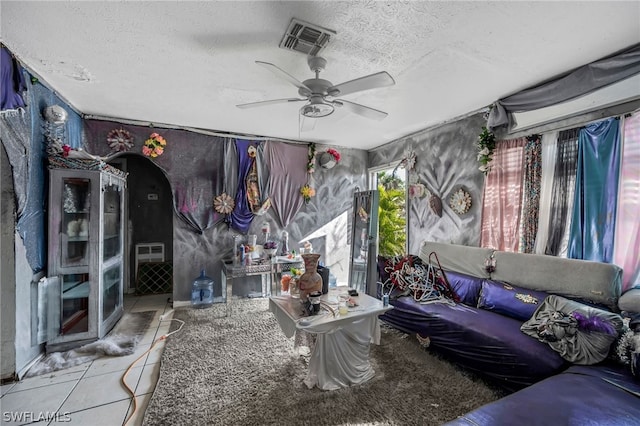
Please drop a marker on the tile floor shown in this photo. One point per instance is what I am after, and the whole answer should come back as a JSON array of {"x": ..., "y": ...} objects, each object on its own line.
[{"x": 92, "y": 393}]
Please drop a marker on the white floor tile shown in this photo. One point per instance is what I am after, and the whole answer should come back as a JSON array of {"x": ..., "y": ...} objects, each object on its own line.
[
  {"x": 6, "y": 388},
  {"x": 92, "y": 393},
  {"x": 142, "y": 404},
  {"x": 60, "y": 376},
  {"x": 35, "y": 402},
  {"x": 156, "y": 353},
  {"x": 98, "y": 390},
  {"x": 110, "y": 364},
  {"x": 148, "y": 379},
  {"x": 105, "y": 415}
]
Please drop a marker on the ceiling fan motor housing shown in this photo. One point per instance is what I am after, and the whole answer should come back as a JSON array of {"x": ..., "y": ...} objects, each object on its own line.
[{"x": 317, "y": 107}]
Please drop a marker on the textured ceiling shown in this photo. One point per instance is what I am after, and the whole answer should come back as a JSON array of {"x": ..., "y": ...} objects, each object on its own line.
[{"x": 188, "y": 64}]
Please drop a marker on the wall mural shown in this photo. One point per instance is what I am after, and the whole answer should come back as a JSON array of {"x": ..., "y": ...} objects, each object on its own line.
[{"x": 445, "y": 163}]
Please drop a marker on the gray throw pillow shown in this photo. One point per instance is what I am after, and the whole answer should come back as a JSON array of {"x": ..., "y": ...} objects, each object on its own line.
[
  {"x": 581, "y": 334},
  {"x": 630, "y": 301}
]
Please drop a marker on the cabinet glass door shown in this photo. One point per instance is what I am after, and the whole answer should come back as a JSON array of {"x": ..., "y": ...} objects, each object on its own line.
[
  {"x": 111, "y": 291},
  {"x": 111, "y": 242},
  {"x": 76, "y": 204},
  {"x": 75, "y": 304}
]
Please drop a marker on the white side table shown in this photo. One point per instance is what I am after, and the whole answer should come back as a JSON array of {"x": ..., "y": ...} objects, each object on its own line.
[{"x": 340, "y": 357}]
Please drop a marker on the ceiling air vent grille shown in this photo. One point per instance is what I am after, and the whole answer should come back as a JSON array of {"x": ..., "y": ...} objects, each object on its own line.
[{"x": 305, "y": 38}]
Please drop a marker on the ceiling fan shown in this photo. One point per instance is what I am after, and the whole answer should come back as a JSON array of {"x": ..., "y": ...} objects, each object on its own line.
[{"x": 320, "y": 94}]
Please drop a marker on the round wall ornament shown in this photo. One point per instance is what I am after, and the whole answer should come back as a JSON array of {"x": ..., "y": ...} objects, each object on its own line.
[
  {"x": 119, "y": 140},
  {"x": 460, "y": 201},
  {"x": 224, "y": 204}
]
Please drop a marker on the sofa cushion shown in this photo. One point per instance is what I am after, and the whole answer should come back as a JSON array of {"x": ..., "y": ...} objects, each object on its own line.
[
  {"x": 505, "y": 299},
  {"x": 596, "y": 282},
  {"x": 483, "y": 341},
  {"x": 630, "y": 301},
  {"x": 597, "y": 395},
  {"x": 467, "y": 287},
  {"x": 579, "y": 333},
  {"x": 453, "y": 257}
]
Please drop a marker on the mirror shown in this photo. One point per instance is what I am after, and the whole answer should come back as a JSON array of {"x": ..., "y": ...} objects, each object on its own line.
[{"x": 364, "y": 237}]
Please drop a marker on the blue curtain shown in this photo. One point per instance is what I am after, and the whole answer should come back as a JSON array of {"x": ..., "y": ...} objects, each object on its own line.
[{"x": 594, "y": 210}]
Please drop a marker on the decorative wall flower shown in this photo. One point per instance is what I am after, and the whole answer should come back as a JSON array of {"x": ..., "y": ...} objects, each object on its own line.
[
  {"x": 409, "y": 160},
  {"x": 335, "y": 154},
  {"x": 486, "y": 146},
  {"x": 417, "y": 190},
  {"x": 253, "y": 152},
  {"x": 460, "y": 201},
  {"x": 307, "y": 192},
  {"x": 119, "y": 140},
  {"x": 154, "y": 146},
  {"x": 311, "y": 164},
  {"x": 224, "y": 204}
]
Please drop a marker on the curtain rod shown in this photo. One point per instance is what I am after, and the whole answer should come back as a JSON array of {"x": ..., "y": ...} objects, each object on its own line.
[{"x": 574, "y": 121}]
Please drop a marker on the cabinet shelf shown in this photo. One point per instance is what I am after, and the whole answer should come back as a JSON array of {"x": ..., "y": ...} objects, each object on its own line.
[{"x": 76, "y": 290}]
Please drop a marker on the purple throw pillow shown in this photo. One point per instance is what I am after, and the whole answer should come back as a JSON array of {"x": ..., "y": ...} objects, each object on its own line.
[
  {"x": 516, "y": 302},
  {"x": 467, "y": 287}
]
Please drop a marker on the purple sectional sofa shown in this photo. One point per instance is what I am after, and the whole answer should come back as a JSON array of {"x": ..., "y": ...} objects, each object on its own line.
[{"x": 482, "y": 333}]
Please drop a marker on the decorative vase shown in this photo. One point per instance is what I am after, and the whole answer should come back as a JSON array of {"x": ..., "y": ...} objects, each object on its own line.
[
  {"x": 327, "y": 160},
  {"x": 311, "y": 280}
]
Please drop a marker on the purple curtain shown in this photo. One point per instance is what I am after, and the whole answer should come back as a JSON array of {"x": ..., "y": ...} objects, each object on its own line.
[
  {"x": 288, "y": 168},
  {"x": 531, "y": 193},
  {"x": 627, "y": 245},
  {"x": 12, "y": 82},
  {"x": 242, "y": 216}
]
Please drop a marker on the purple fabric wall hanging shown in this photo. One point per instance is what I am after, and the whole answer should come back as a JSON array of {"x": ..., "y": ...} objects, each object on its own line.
[
  {"x": 242, "y": 216},
  {"x": 12, "y": 82},
  {"x": 288, "y": 173}
]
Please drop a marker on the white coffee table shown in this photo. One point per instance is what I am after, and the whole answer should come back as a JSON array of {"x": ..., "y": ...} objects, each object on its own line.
[{"x": 340, "y": 357}]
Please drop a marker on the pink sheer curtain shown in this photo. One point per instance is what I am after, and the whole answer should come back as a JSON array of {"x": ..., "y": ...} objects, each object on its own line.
[
  {"x": 502, "y": 202},
  {"x": 627, "y": 240}
]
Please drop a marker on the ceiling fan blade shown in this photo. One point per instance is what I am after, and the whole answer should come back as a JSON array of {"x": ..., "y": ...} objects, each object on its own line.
[
  {"x": 283, "y": 74},
  {"x": 373, "y": 81},
  {"x": 273, "y": 101},
  {"x": 362, "y": 110}
]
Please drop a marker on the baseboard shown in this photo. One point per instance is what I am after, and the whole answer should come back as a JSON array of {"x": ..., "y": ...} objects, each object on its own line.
[
  {"x": 181, "y": 303},
  {"x": 21, "y": 373}
]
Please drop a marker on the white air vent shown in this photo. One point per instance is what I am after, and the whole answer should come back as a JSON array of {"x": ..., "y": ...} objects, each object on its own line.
[{"x": 305, "y": 38}]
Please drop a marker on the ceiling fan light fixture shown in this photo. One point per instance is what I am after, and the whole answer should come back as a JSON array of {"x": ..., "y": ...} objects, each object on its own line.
[{"x": 317, "y": 110}]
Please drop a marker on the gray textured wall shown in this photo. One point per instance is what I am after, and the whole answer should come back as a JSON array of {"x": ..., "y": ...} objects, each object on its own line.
[
  {"x": 446, "y": 161},
  {"x": 334, "y": 192}
]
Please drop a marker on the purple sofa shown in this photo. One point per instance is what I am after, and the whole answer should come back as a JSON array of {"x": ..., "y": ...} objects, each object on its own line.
[
  {"x": 483, "y": 341},
  {"x": 482, "y": 333},
  {"x": 595, "y": 395}
]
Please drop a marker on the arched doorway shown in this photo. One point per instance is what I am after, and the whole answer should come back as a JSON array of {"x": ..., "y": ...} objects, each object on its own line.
[{"x": 149, "y": 212}]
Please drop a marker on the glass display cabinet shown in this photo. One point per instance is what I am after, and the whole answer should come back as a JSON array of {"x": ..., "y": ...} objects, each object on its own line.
[
  {"x": 85, "y": 254},
  {"x": 364, "y": 236}
]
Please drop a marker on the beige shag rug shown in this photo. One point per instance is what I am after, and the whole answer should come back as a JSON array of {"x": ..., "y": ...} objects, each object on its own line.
[{"x": 242, "y": 370}]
